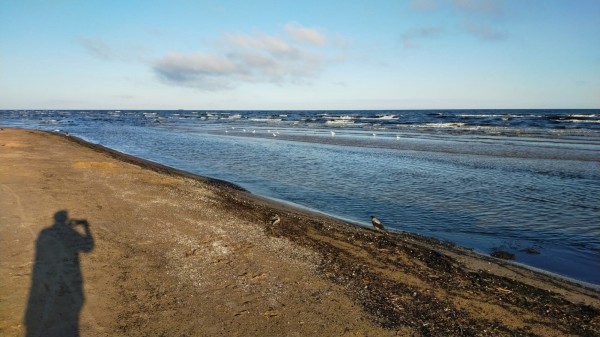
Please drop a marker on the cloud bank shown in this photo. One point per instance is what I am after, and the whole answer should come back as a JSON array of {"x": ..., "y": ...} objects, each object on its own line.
[
  {"x": 473, "y": 7},
  {"x": 484, "y": 31},
  {"x": 97, "y": 48},
  {"x": 409, "y": 38},
  {"x": 305, "y": 34},
  {"x": 298, "y": 56},
  {"x": 477, "y": 18}
]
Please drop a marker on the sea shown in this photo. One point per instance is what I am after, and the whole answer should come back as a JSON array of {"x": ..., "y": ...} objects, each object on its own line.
[{"x": 522, "y": 181}]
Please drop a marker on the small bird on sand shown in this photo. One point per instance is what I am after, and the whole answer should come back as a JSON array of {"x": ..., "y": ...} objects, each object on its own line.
[
  {"x": 376, "y": 223},
  {"x": 275, "y": 219}
]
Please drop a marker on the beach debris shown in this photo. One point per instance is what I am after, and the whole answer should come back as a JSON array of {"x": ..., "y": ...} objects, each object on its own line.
[
  {"x": 501, "y": 254},
  {"x": 376, "y": 223},
  {"x": 191, "y": 252},
  {"x": 275, "y": 219},
  {"x": 271, "y": 313}
]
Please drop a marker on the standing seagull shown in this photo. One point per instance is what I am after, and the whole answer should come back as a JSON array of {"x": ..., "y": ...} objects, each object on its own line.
[{"x": 377, "y": 223}]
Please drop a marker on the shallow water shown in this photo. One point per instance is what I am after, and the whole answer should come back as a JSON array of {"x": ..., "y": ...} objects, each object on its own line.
[{"x": 512, "y": 185}]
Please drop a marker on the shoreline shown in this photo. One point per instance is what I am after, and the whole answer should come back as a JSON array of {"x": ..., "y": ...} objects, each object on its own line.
[
  {"x": 165, "y": 169},
  {"x": 166, "y": 234}
]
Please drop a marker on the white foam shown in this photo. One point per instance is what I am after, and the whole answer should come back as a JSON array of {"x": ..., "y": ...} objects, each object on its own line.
[
  {"x": 443, "y": 125},
  {"x": 585, "y": 116},
  {"x": 482, "y": 116},
  {"x": 387, "y": 117},
  {"x": 340, "y": 121},
  {"x": 575, "y": 120},
  {"x": 266, "y": 120}
]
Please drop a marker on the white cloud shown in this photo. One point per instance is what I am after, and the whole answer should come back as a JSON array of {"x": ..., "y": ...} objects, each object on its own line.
[
  {"x": 250, "y": 58},
  {"x": 409, "y": 38},
  {"x": 305, "y": 34},
  {"x": 480, "y": 18},
  {"x": 480, "y": 7},
  {"x": 472, "y": 7},
  {"x": 266, "y": 43},
  {"x": 99, "y": 49},
  {"x": 195, "y": 70},
  {"x": 485, "y": 31},
  {"x": 424, "y": 5},
  {"x": 96, "y": 47}
]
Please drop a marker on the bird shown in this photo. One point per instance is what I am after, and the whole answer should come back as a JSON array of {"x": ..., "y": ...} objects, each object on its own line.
[
  {"x": 376, "y": 223},
  {"x": 332, "y": 133}
]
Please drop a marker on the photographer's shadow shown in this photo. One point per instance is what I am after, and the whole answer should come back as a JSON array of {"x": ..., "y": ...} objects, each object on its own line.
[{"x": 56, "y": 294}]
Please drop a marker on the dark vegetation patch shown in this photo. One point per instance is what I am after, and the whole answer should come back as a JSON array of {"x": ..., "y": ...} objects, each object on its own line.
[
  {"x": 393, "y": 303},
  {"x": 502, "y": 254}
]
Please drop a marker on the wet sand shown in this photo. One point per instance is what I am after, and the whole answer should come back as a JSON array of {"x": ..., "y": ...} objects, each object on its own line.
[{"x": 180, "y": 255}]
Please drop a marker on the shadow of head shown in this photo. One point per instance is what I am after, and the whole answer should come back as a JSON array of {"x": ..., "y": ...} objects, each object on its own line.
[
  {"x": 61, "y": 216},
  {"x": 56, "y": 295}
]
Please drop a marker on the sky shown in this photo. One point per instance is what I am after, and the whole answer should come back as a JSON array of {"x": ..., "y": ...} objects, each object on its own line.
[{"x": 291, "y": 55}]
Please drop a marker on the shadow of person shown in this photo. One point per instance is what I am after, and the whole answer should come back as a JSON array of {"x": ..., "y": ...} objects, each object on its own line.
[{"x": 56, "y": 294}]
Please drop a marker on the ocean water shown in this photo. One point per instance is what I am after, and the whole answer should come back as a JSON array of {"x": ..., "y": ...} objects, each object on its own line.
[{"x": 483, "y": 179}]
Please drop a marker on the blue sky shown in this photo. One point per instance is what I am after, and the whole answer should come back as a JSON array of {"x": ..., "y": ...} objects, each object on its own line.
[{"x": 422, "y": 54}]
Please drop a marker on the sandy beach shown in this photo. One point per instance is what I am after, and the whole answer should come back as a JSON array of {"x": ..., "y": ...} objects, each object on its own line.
[{"x": 114, "y": 245}]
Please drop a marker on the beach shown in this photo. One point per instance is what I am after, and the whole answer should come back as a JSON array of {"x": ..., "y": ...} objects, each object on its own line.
[{"x": 175, "y": 254}]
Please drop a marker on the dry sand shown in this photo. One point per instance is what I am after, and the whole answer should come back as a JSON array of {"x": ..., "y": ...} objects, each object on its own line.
[{"x": 180, "y": 255}]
